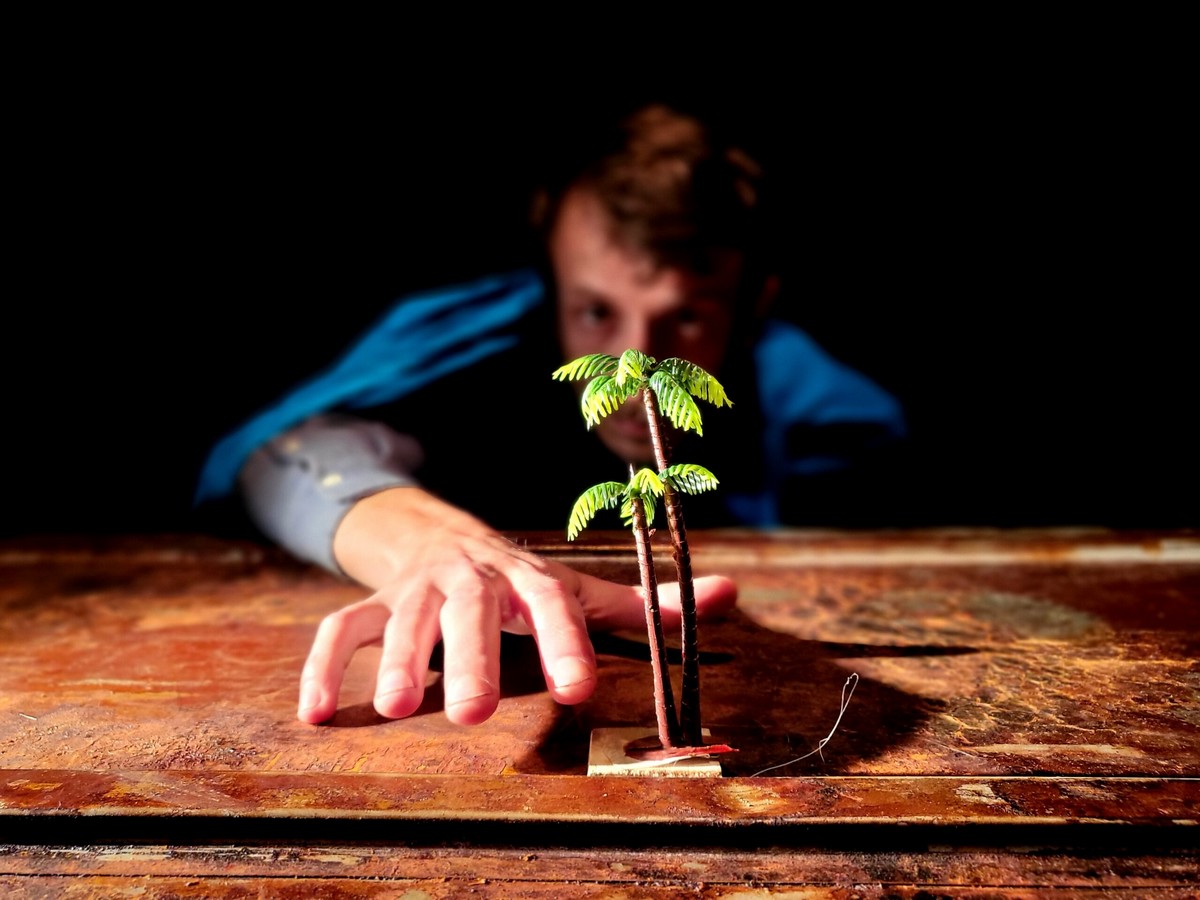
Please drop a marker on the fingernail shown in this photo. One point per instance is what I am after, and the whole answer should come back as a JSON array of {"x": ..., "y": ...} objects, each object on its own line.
[
  {"x": 571, "y": 670},
  {"x": 310, "y": 696},
  {"x": 468, "y": 687},
  {"x": 394, "y": 682}
]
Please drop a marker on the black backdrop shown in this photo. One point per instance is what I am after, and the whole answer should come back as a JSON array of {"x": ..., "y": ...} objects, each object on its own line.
[{"x": 998, "y": 251}]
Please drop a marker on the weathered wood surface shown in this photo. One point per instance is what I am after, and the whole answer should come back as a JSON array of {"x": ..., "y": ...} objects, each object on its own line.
[
  {"x": 1012, "y": 686},
  {"x": 376, "y": 871}
]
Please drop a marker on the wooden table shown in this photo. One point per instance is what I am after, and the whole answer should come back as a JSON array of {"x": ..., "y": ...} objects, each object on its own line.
[{"x": 1026, "y": 722}]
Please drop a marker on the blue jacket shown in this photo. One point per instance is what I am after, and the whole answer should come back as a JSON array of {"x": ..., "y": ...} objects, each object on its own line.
[{"x": 425, "y": 338}]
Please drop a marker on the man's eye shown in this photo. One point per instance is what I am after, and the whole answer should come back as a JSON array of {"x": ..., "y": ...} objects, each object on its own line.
[{"x": 595, "y": 314}]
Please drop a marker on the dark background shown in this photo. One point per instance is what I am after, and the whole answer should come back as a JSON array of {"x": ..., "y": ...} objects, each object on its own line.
[{"x": 999, "y": 244}]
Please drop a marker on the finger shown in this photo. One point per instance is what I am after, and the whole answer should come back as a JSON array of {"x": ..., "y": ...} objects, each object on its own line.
[
  {"x": 613, "y": 607},
  {"x": 716, "y": 595},
  {"x": 338, "y": 636},
  {"x": 408, "y": 641},
  {"x": 470, "y": 624},
  {"x": 555, "y": 617}
]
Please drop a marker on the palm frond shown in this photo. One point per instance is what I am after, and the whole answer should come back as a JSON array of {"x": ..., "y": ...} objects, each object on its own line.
[
  {"x": 633, "y": 366},
  {"x": 675, "y": 402},
  {"x": 696, "y": 380},
  {"x": 646, "y": 486},
  {"x": 648, "y": 507},
  {"x": 602, "y": 396},
  {"x": 599, "y": 496},
  {"x": 645, "y": 482},
  {"x": 690, "y": 478},
  {"x": 586, "y": 367}
]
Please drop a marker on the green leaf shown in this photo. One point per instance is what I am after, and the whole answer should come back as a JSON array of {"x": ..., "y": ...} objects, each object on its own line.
[
  {"x": 597, "y": 497},
  {"x": 648, "y": 507},
  {"x": 675, "y": 402},
  {"x": 602, "y": 396},
  {"x": 586, "y": 367},
  {"x": 696, "y": 381},
  {"x": 627, "y": 511},
  {"x": 646, "y": 486},
  {"x": 689, "y": 478},
  {"x": 645, "y": 482},
  {"x": 633, "y": 366}
]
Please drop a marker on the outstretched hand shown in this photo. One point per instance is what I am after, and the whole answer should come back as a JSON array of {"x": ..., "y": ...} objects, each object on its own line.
[{"x": 440, "y": 574}]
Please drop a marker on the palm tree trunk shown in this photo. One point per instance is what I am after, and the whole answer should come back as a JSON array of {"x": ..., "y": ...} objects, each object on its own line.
[
  {"x": 664, "y": 700},
  {"x": 689, "y": 691}
]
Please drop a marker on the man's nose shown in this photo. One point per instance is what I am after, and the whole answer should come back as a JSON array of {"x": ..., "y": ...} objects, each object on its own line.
[
  {"x": 652, "y": 337},
  {"x": 637, "y": 335}
]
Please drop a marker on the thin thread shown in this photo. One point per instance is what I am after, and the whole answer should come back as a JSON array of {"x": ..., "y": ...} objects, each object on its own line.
[{"x": 851, "y": 684}]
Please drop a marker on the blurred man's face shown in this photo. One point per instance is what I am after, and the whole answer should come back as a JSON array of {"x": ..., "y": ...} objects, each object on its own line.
[{"x": 611, "y": 299}]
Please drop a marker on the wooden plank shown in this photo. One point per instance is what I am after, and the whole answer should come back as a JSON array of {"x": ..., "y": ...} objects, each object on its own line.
[
  {"x": 359, "y": 870},
  {"x": 807, "y": 801},
  {"x": 605, "y": 798},
  {"x": 176, "y": 656},
  {"x": 1023, "y": 723},
  {"x": 117, "y": 664},
  {"x": 284, "y": 888}
]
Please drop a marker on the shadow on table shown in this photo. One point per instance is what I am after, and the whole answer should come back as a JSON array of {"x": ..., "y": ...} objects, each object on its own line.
[{"x": 771, "y": 695}]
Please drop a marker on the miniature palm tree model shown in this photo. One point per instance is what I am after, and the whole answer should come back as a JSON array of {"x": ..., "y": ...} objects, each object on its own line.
[{"x": 667, "y": 388}]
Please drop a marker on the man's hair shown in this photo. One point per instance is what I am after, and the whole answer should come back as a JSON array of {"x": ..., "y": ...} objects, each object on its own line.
[{"x": 672, "y": 186}]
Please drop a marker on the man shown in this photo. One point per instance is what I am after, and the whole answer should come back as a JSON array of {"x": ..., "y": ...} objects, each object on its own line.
[{"x": 397, "y": 467}]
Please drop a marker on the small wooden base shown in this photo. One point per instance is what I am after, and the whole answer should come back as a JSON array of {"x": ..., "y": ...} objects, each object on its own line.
[{"x": 606, "y": 756}]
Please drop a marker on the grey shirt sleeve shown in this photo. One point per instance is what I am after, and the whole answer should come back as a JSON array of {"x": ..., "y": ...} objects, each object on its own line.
[{"x": 299, "y": 485}]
